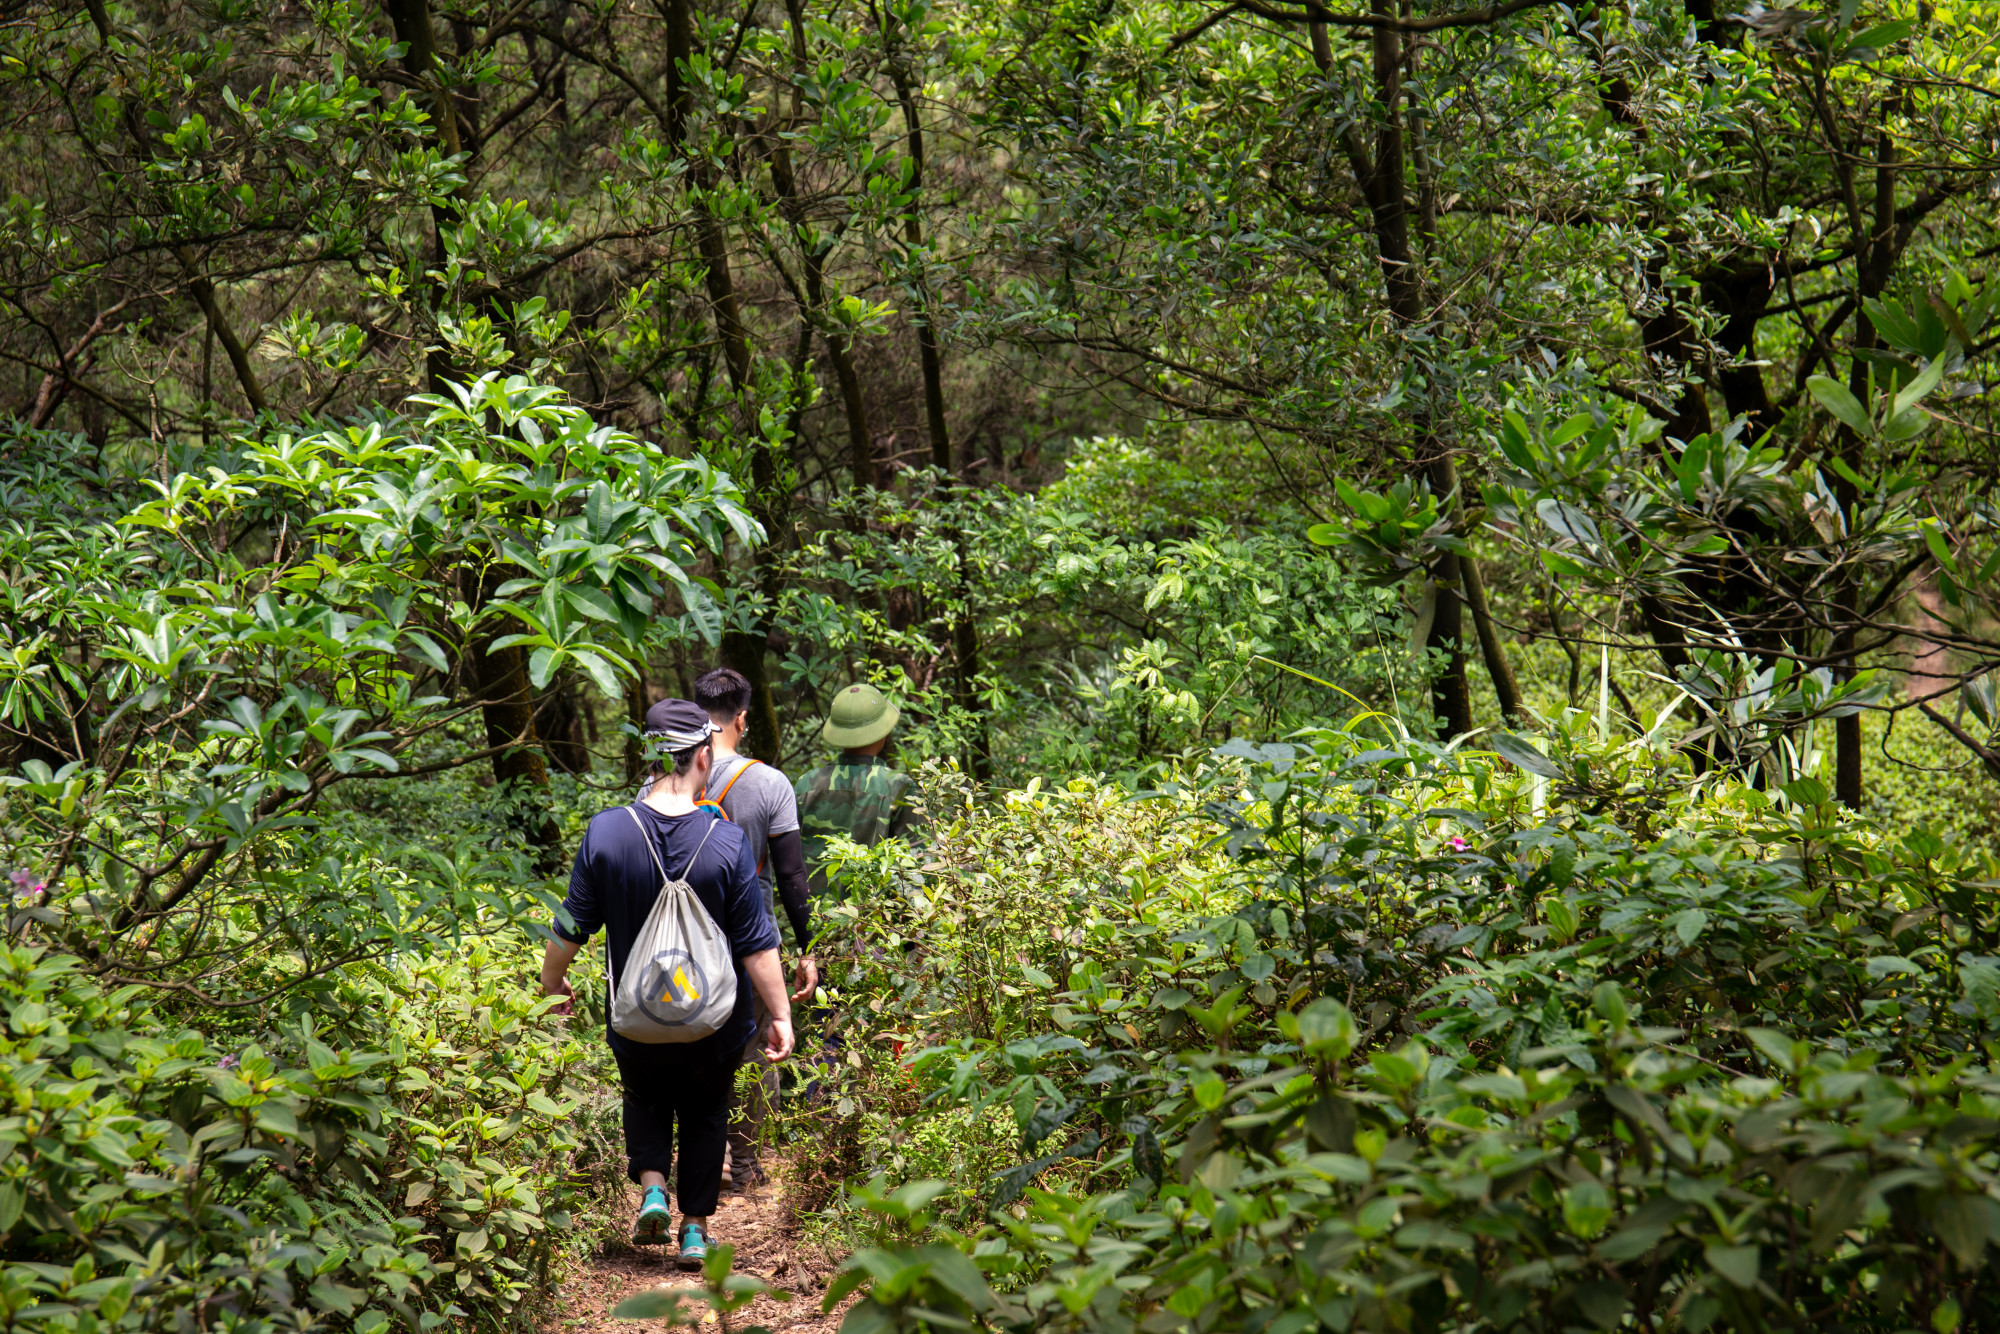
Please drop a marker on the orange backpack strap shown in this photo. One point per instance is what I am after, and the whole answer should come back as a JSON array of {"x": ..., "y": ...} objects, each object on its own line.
[{"x": 745, "y": 768}]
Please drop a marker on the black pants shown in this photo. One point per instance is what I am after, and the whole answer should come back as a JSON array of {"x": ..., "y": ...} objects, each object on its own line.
[{"x": 665, "y": 1088}]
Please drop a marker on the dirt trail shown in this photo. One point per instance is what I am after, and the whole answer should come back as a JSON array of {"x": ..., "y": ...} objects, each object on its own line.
[{"x": 755, "y": 1224}]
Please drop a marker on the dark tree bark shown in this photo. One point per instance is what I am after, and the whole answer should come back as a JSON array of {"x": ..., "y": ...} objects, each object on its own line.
[
  {"x": 853, "y": 403},
  {"x": 500, "y": 677},
  {"x": 717, "y": 275},
  {"x": 1742, "y": 295},
  {"x": 1671, "y": 342},
  {"x": 636, "y": 703},
  {"x": 203, "y": 292},
  {"x": 1382, "y": 175},
  {"x": 1505, "y": 688},
  {"x": 507, "y": 706},
  {"x": 1873, "y": 265},
  {"x": 928, "y": 354},
  {"x": 743, "y": 649},
  {"x": 559, "y": 723},
  {"x": 964, "y": 630},
  {"x": 412, "y": 22},
  {"x": 747, "y": 652}
]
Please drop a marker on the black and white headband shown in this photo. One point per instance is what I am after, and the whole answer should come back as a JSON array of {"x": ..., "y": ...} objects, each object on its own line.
[{"x": 673, "y": 741}]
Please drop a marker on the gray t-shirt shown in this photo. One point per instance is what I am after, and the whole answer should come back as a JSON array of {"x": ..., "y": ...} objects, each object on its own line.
[{"x": 761, "y": 803}]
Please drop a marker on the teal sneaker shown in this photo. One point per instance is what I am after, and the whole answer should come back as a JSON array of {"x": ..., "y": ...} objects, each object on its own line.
[
  {"x": 655, "y": 1219},
  {"x": 694, "y": 1246}
]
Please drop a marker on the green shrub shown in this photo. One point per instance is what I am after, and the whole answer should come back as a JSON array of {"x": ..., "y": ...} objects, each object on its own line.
[
  {"x": 403, "y": 1168},
  {"x": 1435, "y": 1041}
]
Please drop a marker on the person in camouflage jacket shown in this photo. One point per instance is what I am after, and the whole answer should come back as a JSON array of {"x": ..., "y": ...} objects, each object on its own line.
[{"x": 858, "y": 795}]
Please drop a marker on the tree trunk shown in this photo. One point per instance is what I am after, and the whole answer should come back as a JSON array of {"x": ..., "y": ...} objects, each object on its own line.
[
  {"x": 745, "y": 651},
  {"x": 964, "y": 630},
  {"x": 742, "y": 649},
  {"x": 635, "y": 714},
  {"x": 1672, "y": 342},
  {"x": 412, "y": 22},
  {"x": 559, "y": 724},
  {"x": 1382, "y": 175},
  {"x": 203, "y": 292},
  {"x": 1451, "y": 694},
  {"x": 717, "y": 276},
  {"x": 966, "y": 641},
  {"x": 913, "y": 233},
  {"x": 1872, "y": 267},
  {"x": 507, "y": 703},
  {"x": 507, "y": 707},
  {"x": 1505, "y": 687}
]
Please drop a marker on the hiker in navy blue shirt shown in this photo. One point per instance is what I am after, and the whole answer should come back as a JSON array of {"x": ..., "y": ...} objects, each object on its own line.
[{"x": 614, "y": 884}]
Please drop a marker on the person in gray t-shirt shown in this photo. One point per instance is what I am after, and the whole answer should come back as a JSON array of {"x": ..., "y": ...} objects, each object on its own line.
[{"x": 759, "y": 799}]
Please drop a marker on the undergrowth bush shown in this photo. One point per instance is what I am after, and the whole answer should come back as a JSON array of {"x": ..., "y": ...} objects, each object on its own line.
[
  {"x": 400, "y": 1167},
  {"x": 1430, "y": 1039}
]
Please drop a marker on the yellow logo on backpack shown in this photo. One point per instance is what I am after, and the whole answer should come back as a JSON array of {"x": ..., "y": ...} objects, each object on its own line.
[{"x": 680, "y": 987}]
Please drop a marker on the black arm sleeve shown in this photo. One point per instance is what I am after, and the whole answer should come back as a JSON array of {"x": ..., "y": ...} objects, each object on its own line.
[{"x": 788, "y": 864}]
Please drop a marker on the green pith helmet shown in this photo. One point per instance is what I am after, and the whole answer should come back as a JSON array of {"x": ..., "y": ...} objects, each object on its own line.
[{"x": 860, "y": 716}]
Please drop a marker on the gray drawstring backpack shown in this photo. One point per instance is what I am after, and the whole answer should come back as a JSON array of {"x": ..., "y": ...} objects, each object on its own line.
[{"x": 679, "y": 981}]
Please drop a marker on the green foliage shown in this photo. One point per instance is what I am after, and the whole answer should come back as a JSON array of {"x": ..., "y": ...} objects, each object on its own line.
[
  {"x": 395, "y": 1169},
  {"x": 247, "y": 639},
  {"x": 1922, "y": 778},
  {"x": 1450, "y": 1041},
  {"x": 1105, "y": 650},
  {"x": 1623, "y": 1024},
  {"x": 271, "y": 1048},
  {"x": 1168, "y": 478}
]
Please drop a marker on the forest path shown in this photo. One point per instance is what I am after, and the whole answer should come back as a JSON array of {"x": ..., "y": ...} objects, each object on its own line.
[{"x": 756, "y": 1224}]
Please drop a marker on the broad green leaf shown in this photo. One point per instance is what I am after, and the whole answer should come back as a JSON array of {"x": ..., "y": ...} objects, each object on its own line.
[
  {"x": 1917, "y": 390},
  {"x": 1939, "y": 548},
  {"x": 1778, "y": 1048},
  {"x": 1586, "y": 1209},
  {"x": 1738, "y": 1264},
  {"x": 1965, "y": 1223},
  {"x": 1522, "y": 754},
  {"x": 593, "y": 603},
  {"x": 1688, "y": 924},
  {"x": 1836, "y": 398},
  {"x": 1327, "y": 1030},
  {"x": 1882, "y": 35}
]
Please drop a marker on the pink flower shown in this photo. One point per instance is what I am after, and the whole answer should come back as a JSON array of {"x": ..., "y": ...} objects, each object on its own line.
[
  {"x": 227, "y": 1063},
  {"x": 1459, "y": 845}
]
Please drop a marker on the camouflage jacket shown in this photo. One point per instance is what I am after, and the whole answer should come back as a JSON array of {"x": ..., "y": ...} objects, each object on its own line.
[{"x": 856, "y": 795}]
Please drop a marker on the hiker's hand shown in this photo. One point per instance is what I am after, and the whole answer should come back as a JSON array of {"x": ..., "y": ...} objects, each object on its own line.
[
  {"x": 560, "y": 987},
  {"x": 805, "y": 980},
  {"x": 777, "y": 1039}
]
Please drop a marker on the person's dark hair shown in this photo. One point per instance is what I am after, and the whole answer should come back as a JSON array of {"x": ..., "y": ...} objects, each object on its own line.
[
  {"x": 722, "y": 694},
  {"x": 683, "y": 760}
]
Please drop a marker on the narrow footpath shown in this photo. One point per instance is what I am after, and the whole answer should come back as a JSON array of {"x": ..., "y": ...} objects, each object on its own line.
[{"x": 755, "y": 1225}]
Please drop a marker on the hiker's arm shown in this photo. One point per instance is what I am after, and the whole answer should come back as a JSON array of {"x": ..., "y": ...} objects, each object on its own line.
[
  {"x": 753, "y": 938},
  {"x": 788, "y": 863},
  {"x": 556, "y": 956},
  {"x": 769, "y": 980},
  {"x": 575, "y": 922}
]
